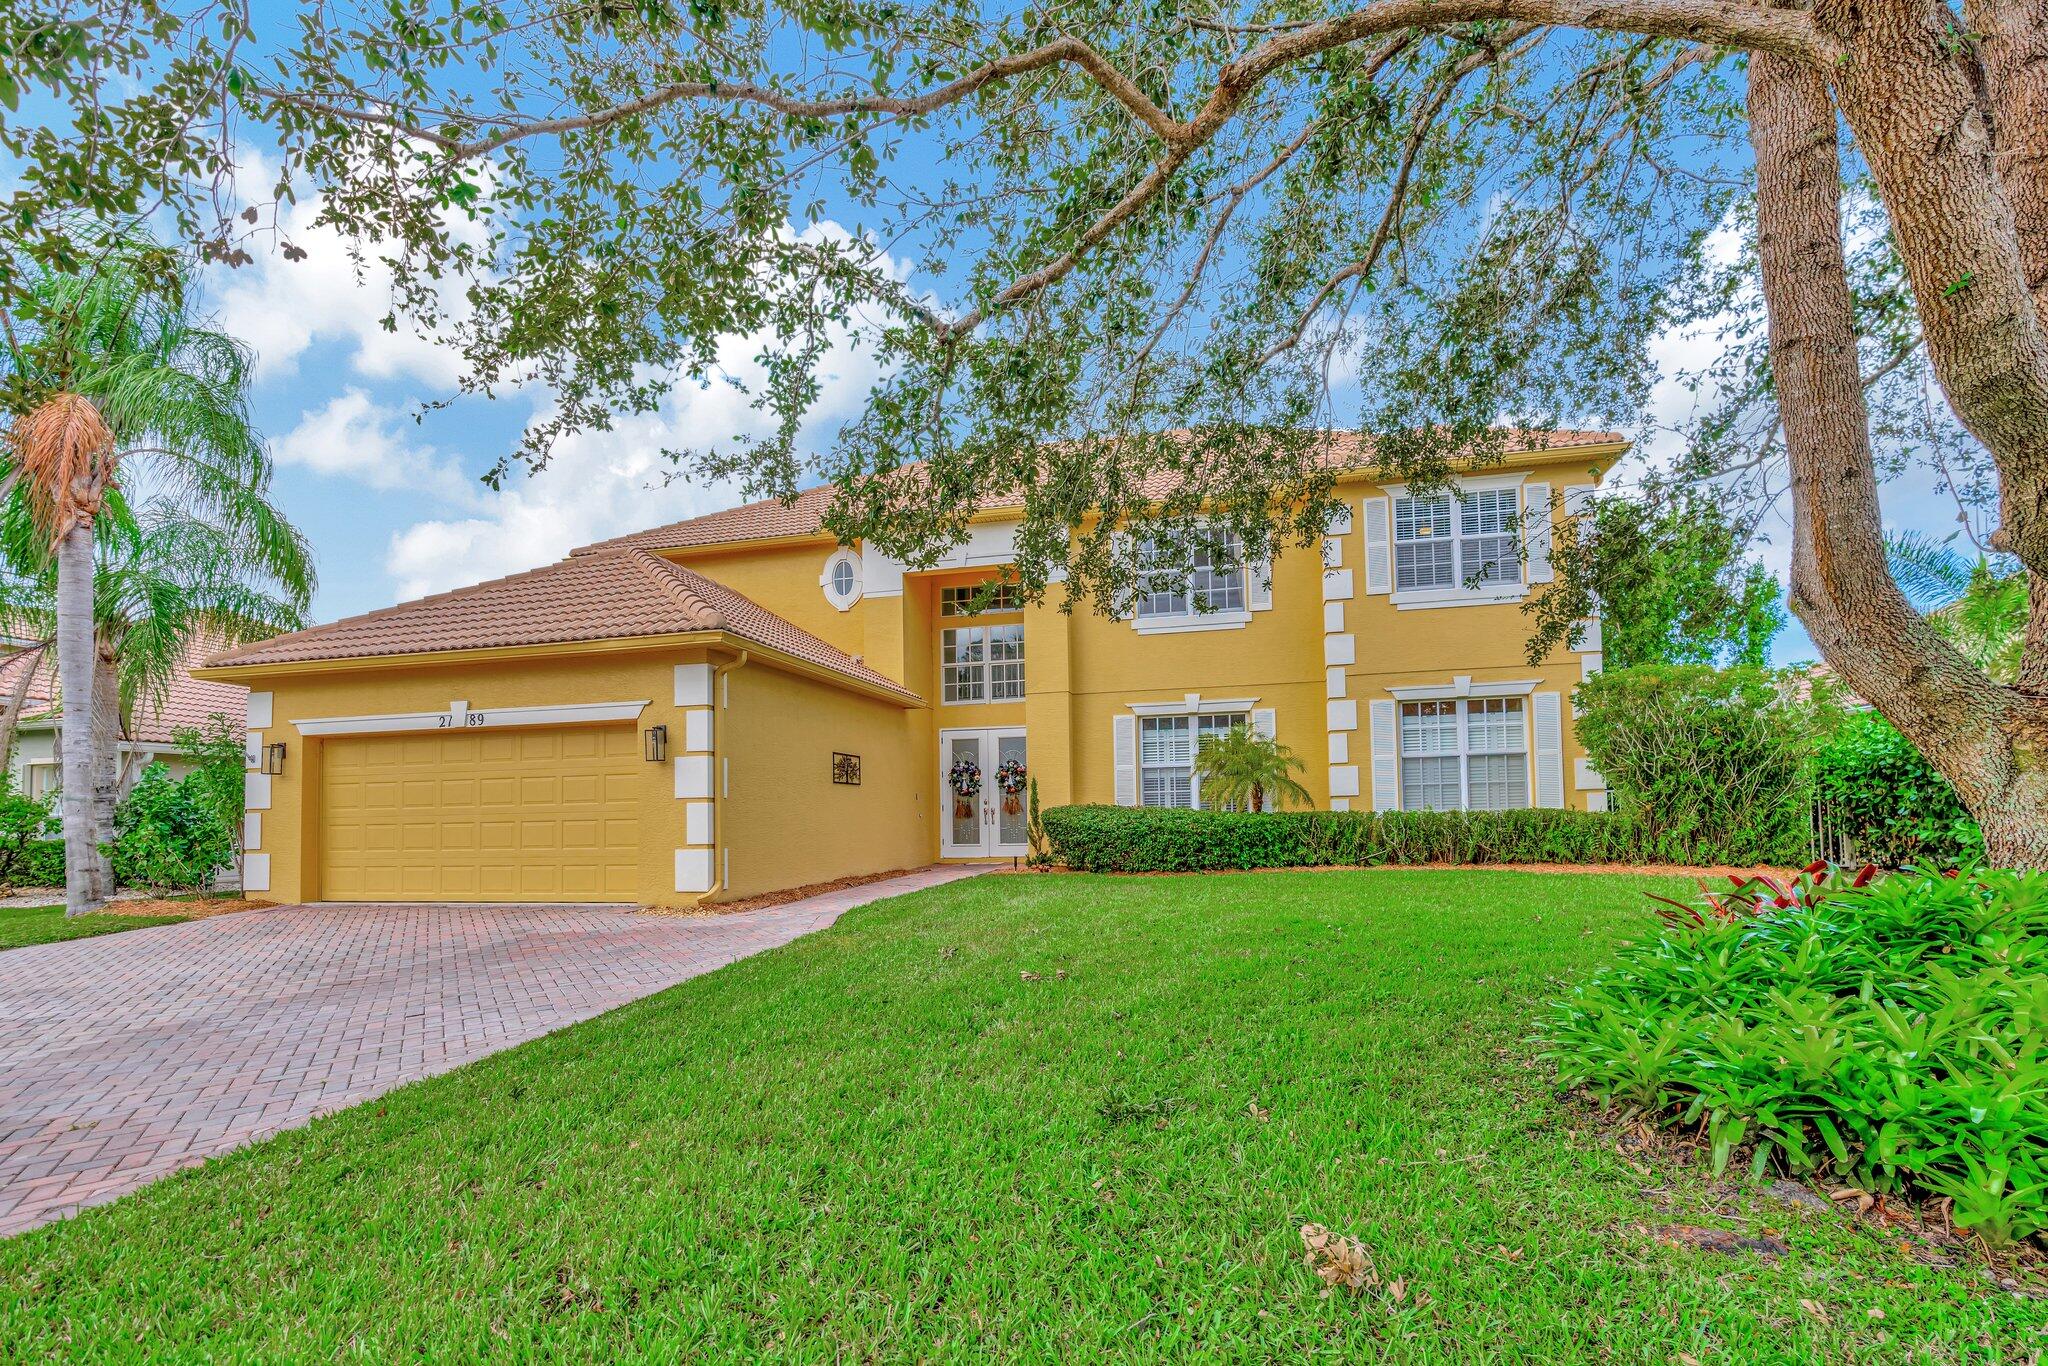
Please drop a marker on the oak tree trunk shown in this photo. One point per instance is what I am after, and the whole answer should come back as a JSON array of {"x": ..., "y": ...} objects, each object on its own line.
[
  {"x": 1989, "y": 740},
  {"x": 75, "y": 668}
]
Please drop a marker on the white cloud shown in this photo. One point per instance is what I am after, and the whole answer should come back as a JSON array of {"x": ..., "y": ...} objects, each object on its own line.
[
  {"x": 354, "y": 437},
  {"x": 282, "y": 308},
  {"x": 603, "y": 484}
]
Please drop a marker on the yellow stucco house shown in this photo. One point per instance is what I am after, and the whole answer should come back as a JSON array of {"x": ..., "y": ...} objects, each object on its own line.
[{"x": 735, "y": 704}]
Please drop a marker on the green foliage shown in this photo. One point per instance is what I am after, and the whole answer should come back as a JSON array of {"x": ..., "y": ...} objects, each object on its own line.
[
  {"x": 612, "y": 255},
  {"x": 1889, "y": 1035},
  {"x": 1128, "y": 839},
  {"x": 1034, "y": 831},
  {"x": 1670, "y": 580},
  {"x": 1707, "y": 757},
  {"x": 168, "y": 834},
  {"x": 24, "y": 824},
  {"x": 1241, "y": 770},
  {"x": 1979, "y": 605},
  {"x": 1879, "y": 791},
  {"x": 42, "y": 863},
  {"x": 219, "y": 776}
]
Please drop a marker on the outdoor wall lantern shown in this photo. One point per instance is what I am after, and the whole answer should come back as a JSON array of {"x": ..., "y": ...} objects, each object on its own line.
[
  {"x": 273, "y": 758},
  {"x": 657, "y": 744}
]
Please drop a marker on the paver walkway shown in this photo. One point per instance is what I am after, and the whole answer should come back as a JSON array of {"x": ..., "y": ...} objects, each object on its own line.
[{"x": 128, "y": 1056}]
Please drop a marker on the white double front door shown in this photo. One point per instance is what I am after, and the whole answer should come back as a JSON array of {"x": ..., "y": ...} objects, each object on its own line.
[{"x": 987, "y": 822}]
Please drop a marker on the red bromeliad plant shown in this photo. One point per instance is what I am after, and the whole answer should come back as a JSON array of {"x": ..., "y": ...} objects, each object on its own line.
[{"x": 1761, "y": 893}]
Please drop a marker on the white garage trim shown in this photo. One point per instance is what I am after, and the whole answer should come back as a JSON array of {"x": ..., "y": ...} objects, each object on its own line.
[{"x": 484, "y": 718}]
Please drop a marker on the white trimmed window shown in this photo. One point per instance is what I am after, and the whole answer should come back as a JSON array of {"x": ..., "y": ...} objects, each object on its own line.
[
  {"x": 841, "y": 579},
  {"x": 1448, "y": 544},
  {"x": 981, "y": 664},
  {"x": 958, "y": 601},
  {"x": 1470, "y": 755},
  {"x": 1166, "y": 755},
  {"x": 1213, "y": 582}
]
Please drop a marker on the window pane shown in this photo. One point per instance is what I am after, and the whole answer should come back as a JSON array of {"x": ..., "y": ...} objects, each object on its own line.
[
  {"x": 1429, "y": 728},
  {"x": 1006, "y": 662},
  {"x": 958, "y": 600},
  {"x": 1423, "y": 564},
  {"x": 1500, "y": 782},
  {"x": 1495, "y": 725},
  {"x": 1218, "y": 577},
  {"x": 1164, "y": 740},
  {"x": 1430, "y": 784},
  {"x": 1166, "y": 753},
  {"x": 1422, "y": 518},
  {"x": 964, "y": 664},
  {"x": 1488, "y": 512},
  {"x": 1490, "y": 559}
]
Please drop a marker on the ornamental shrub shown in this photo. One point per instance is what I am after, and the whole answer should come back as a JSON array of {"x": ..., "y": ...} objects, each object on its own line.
[
  {"x": 24, "y": 826},
  {"x": 168, "y": 834},
  {"x": 1880, "y": 792},
  {"x": 1707, "y": 758},
  {"x": 1125, "y": 839},
  {"x": 1891, "y": 1036}
]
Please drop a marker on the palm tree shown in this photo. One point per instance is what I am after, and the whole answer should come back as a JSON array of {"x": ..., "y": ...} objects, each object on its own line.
[
  {"x": 106, "y": 371},
  {"x": 1239, "y": 768},
  {"x": 1980, "y": 604}
]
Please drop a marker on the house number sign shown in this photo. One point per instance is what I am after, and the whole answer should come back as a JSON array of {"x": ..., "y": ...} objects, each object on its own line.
[{"x": 846, "y": 769}]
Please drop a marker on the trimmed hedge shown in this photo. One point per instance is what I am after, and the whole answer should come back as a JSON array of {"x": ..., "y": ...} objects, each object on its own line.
[{"x": 1122, "y": 839}]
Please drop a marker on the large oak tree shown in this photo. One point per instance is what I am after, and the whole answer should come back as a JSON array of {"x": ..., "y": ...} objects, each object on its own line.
[{"x": 1083, "y": 227}]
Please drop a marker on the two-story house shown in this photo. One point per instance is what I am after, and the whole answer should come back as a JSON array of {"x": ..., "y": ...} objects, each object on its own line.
[{"x": 736, "y": 704}]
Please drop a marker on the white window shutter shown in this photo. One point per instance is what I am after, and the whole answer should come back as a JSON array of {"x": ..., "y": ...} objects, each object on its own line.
[
  {"x": 1262, "y": 723},
  {"x": 1386, "y": 763},
  {"x": 1379, "y": 547},
  {"x": 1576, "y": 496},
  {"x": 1259, "y": 585},
  {"x": 1124, "y": 749},
  {"x": 1549, "y": 713},
  {"x": 1536, "y": 518}
]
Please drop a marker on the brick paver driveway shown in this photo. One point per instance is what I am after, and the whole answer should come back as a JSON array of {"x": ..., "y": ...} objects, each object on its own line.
[{"x": 125, "y": 1057}]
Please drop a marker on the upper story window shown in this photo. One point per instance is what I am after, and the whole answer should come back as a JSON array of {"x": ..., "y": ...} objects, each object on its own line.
[
  {"x": 841, "y": 579},
  {"x": 981, "y": 664},
  {"x": 1464, "y": 542},
  {"x": 959, "y": 601},
  {"x": 1167, "y": 746},
  {"x": 1470, "y": 755},
  {"x": 1213, "y": 582}
]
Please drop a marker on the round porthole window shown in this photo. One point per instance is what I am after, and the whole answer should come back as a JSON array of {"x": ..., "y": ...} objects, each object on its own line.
[{"x": 841, "y": 579}]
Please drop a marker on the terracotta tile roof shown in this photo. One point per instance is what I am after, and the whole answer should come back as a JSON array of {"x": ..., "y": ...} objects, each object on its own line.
[
  {"x": 772, "y": 518},
  {"x": 185, "y": 705},
  {"x": 42, "y": 689},
  {"x": 587, "y": 597}
]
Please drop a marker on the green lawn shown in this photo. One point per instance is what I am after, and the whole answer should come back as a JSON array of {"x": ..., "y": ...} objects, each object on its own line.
[
  {"x": 21, "y": 926},
  {"x": 885, "y": 1143}
]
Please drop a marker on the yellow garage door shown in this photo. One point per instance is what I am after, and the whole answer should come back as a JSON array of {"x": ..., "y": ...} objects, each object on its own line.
[{"x": 490, "y": 815}]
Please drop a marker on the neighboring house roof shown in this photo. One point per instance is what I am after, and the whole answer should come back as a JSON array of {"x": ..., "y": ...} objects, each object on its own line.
[
  {"x": 614, "y": 596},
  {"x": 771, "y": 518},
  {"x": 185, "y": 705}
]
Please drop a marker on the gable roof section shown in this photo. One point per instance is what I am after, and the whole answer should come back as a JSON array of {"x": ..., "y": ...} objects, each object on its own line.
[
  {"x": 613, "y": 596},
  {"x": 771, "y": 518}
]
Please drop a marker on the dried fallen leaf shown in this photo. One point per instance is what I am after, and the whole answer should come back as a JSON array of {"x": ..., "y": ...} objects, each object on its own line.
[
  {"x": 1814, "y": 1309},
  {"x": 1030, "y": 976},
  {"x": 1257, "y": 1112},
  {"x": 1341, "y": 1261}
]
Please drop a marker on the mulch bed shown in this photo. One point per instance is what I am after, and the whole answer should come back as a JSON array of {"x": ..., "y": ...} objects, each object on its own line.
[
  {"x": 767, "y": 899},
  {"x": 1629, "y": 869},
  {"x": 200, "y": 909}
]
